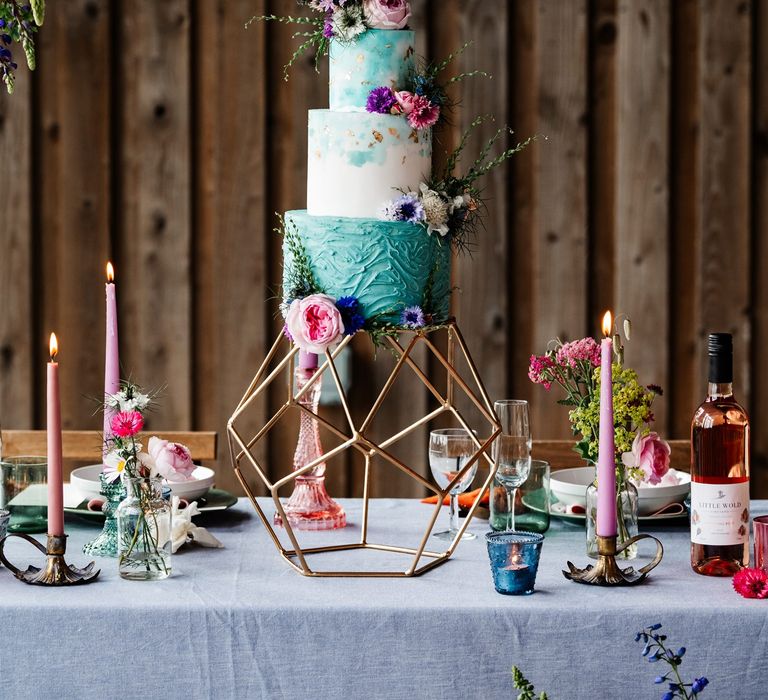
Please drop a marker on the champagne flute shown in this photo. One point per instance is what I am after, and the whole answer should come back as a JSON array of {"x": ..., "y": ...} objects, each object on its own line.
[
  {"x": 512, "y": 450},
  {"x": 449, "y": 451}
]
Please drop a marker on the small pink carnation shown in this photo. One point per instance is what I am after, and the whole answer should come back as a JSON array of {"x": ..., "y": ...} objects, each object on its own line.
[
  {"x": 423, "y": 113},
  {"x": 126, "y": 423},
  {"x": 751, "y": 583}
]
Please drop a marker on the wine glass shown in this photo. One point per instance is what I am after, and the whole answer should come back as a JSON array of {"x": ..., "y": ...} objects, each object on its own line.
[
  {"x": 449, "y": 451},
  {"x": 512, "y": 450}
]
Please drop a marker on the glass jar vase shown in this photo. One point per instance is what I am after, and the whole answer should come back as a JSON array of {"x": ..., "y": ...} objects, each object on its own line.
[
  {"x": 105, "y": 544},
  {"x": 144, "y": 531},
  {"x": 626, "y": 518}
]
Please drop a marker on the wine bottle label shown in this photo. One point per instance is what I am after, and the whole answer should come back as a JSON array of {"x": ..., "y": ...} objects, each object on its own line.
[{"x": 719, "y": 513}]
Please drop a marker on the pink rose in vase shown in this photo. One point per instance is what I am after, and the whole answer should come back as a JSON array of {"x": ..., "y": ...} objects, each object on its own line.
[
  {"x": 650, "y": 454},
  {"x": 172, "y": 460},
  {"x": 386, "y": 14},
  {"x": 314, "y": 323}
]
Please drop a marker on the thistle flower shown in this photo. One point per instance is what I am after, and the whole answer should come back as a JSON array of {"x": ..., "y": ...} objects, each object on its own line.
[{"x": 348, "y": 23}]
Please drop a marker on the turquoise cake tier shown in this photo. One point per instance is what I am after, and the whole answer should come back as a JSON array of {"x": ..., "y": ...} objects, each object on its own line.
[
  {"x": 378, "y": 57},
  {"x": 385, "y": 264}
]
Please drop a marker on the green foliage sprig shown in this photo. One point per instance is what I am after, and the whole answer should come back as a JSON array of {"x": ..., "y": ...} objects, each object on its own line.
[
  {"x": 312, "y": 39},
  {"x": 300, "y": 277},
  {"x": 18, "y": 23},
  {"x": 527, "y": 691}
]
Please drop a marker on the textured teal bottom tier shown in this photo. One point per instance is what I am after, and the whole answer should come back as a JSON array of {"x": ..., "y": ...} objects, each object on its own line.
[{"x": 387, "y": 265}]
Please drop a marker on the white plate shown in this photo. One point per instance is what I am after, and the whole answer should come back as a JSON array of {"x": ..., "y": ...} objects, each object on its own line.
[
  {"x": 569, "y": 486},
  {"x": 85, "y": 481}
]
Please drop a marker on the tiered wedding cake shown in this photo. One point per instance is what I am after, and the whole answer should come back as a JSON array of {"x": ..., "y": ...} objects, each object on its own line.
[{"x": 359, "y": 161}]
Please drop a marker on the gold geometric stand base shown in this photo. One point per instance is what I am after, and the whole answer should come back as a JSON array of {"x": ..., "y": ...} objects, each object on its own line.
[{"x": 356, "y": 436}]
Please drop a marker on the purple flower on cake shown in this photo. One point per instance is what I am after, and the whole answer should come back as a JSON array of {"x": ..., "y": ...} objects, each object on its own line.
[
  {"x": 349, "y": 307},
  {"x": 423, "y": 113},
  {"x": 381, "y": 100},
  {"x": 315, "y": 323},
  {"x": 387, "y": 14},
  {"x": 407, "y": 207},
  {"x": 412, "y": 317}
]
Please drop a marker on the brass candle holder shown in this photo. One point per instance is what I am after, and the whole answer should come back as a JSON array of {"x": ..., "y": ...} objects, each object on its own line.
[
  {"x": 607, "y": 572},
  {"x": 56, "y": 571}
]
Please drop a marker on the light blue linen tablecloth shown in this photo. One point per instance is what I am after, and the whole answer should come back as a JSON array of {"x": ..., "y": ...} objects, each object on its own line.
[{"x": 239, "y": 623}]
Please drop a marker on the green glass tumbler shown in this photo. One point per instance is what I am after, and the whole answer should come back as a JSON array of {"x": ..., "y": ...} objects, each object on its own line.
[
  {"x": 531, "y": 502},
  {"x": 24, "y": 493}
]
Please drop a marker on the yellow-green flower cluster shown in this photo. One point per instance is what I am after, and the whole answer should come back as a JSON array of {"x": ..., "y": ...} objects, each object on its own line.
[{"x": 631, "y": 412}]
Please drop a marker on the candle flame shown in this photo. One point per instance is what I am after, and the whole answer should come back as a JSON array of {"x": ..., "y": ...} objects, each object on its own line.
[
  {"x": 607, "y": 324},
  {"x": 110, "y": 272},
  {"x": 53, "y": 346}
]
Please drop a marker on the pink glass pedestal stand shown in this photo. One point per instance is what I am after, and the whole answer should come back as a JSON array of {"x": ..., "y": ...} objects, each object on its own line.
[{"x": 310, "y": 507}]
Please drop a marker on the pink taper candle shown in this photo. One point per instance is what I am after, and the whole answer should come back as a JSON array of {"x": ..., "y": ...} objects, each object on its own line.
[
  {"x": 606, "y": 460},
  {"x": 55, "y": 482},
  {"x": 111, "y": 354}
]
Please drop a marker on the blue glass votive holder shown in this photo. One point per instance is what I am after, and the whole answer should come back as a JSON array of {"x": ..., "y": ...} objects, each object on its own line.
[{"x": 514, "y": 560}]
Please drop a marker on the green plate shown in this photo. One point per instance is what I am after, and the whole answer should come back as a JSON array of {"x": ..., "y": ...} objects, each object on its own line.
[{"x": 214, "y": 500}]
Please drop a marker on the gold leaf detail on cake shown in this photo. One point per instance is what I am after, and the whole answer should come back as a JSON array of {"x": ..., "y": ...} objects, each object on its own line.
[
  {"x": 403, "y": 163},
  {"x": 318, "y": 154},
  {"x": 394, "y": 132},
  {"x": 378, "y": 136},
  {"x": 349, "y": 132},
  {"x": 409, "y": 52},
  {"x": 360, "y": 58},
  {"x": 414, "y": 136}
]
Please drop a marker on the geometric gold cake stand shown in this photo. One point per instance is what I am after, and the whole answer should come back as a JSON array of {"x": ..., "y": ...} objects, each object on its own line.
[{"x": 356, "y": 437}]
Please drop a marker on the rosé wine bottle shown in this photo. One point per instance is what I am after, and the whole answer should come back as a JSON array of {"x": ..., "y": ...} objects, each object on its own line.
[{"x": 720, "y": 471}]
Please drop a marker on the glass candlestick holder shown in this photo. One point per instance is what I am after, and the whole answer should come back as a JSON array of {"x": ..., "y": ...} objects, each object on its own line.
[{"x": 310, "y": 507}]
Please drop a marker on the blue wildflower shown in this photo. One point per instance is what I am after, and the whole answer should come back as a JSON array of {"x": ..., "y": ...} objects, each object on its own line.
[
  {"x": 6, "y": 38},
  {"x": 659, "y": 680},
  {"x": 349, "y": 308},
  {"x": 407, "y": 207},
  {"x": 380, "y": 100},
  {"x": 681, "y": 651},
  {"x": 657, "y": 626},
  {"x": 699, "y": 684},
  {"x": 668, "y": 696},
  {"x": 413, "y": 317}
]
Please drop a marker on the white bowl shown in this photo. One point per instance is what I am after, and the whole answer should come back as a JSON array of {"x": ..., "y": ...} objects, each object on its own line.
[
  {"x": 85, "y": 481},
  {"x": 569, "y": 486}
]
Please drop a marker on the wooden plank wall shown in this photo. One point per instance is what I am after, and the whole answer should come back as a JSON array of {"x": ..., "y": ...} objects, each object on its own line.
[{"x": 163, "y": 135}]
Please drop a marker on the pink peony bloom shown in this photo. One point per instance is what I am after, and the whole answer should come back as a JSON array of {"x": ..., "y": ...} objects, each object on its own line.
[
  {"x": 538, "y": 371},
  {"x": 315, "y": 323},
  {"x": 404, "y": 101},
  {"x": 172, "y": 460},
  {"x": 751, "y": 583},
  {"x": 126, "y": 423},
  {"x": 423, "y": 113},
  {"x": 585, "y": 349},
  {"x": 386, "y": 14},
  {"x": 651, "y": 455}
]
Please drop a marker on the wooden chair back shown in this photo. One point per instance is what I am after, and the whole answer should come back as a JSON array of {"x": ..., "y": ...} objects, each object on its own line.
[
  {"x": 560, "y": 454},
  {"x": 85, "y": 445}
]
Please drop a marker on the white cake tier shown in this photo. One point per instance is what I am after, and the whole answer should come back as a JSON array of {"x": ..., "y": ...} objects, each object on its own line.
[{"x": 358, "y": 161}]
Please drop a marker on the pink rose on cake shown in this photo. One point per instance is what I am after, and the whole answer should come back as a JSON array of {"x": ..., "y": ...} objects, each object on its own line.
[
  {"x": 386, "y": 14},
  {"x": 405, "y": 101},
  {"x": 314, "y": 322},
  {"x": 172, "y": 460},
  {"x": 650, "y": 455}
]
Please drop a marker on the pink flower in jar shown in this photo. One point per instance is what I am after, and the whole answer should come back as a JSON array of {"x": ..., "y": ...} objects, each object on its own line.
[
  {"x": 172, "y": 460},
  {"x": 315, "y": 323},
  {"x": 386, "y": 14},
  {"x": 650, "y": 454},
  {"x": 126, "y": 423}
]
